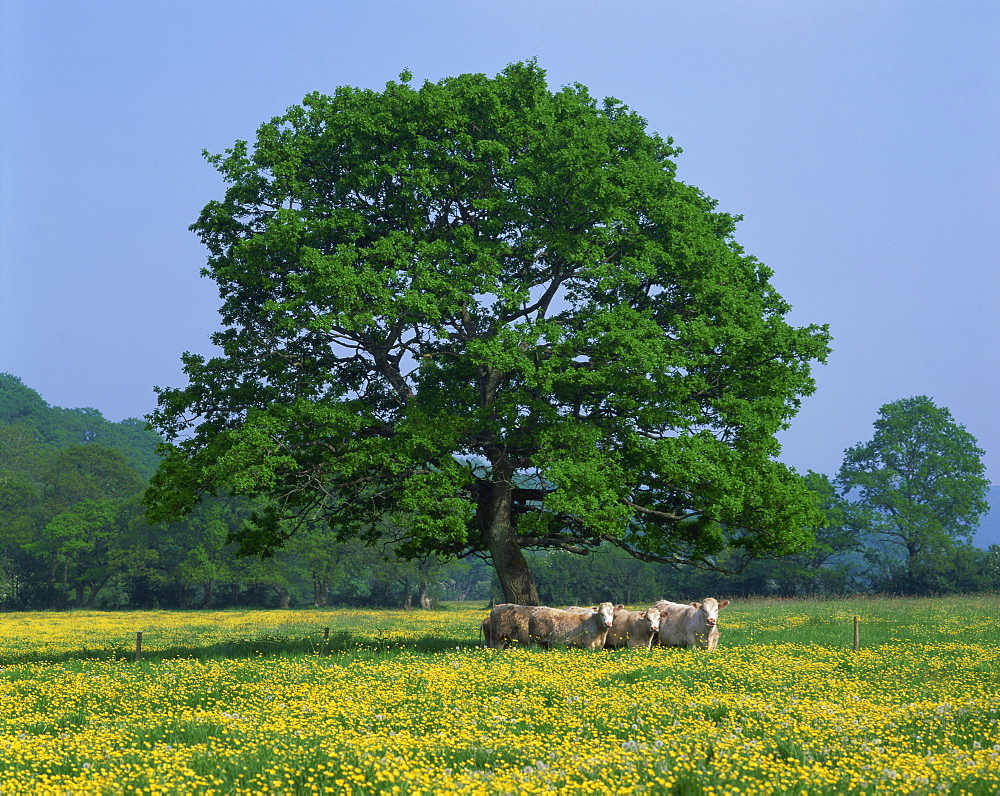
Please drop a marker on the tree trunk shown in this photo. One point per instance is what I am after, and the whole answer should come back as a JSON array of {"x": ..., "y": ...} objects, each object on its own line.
[
  {"x": 321, "y": 592},
  {"x": 423, "y": 599},
  {"x": 95, "y": 589},
  {"x": 495, "y": 511}
]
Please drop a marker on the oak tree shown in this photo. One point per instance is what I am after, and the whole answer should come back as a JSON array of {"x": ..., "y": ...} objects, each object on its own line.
[
  {"x": 917, "y": 485},
  {"x": 490, "y": 314}
]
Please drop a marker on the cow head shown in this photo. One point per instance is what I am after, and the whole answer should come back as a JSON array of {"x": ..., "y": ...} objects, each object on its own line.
[
  {"x": 606, "y": 611},
  {"x": 652, "y": 616},
  {"x": 709, "y": 609}
]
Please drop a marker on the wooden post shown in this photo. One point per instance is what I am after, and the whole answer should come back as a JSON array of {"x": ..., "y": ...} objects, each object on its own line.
[
  {"x": 138, "y": 645},
  {"x": 856, "y": 640},
  {"x": 326, "y": 639}
]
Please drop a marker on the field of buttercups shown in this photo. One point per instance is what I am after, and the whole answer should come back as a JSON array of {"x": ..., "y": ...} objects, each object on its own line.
[{"x": 410, "y": 702}]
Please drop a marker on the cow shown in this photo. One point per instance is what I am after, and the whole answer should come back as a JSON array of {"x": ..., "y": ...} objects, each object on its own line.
[
  {"x": 506, "y": 623},
  {"x": 694, "y": 625},
  {"x": 634, "y": 628},
  {"x": 586, "y": 628}
]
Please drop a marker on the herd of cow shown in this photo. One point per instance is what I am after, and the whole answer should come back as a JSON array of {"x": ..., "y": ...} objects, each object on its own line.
[{"x": 605, "y": 626}]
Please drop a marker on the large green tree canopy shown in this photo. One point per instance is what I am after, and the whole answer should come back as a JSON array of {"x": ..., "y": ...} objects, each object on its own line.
[{"x": 489, "y": 313}]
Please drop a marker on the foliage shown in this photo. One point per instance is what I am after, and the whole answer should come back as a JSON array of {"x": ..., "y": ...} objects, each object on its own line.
[
  {"x": 918, "y": 485},
  {"x": 606, "y": 574},
  {"x": 72, "y": 535},
  {"x": 490, "y": 314},
  {"x": 25, "y": 414},
  {"x": 826, "y": 566}
]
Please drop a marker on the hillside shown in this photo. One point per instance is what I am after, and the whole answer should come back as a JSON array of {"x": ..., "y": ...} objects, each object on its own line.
[{"x": 59, "y": 428}]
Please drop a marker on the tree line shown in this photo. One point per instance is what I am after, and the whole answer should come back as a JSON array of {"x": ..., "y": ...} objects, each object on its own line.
[
  {"x": 73, "y": 530},
  {"x": 73, "y": 533}
]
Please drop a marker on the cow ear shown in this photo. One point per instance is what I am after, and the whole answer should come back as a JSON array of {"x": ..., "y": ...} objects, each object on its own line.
[
  {"x": 595, "y": 608},
  {"x": 619, "y": 607},
  {"x": 696, "y": 605},
  {"x": 724, "y": 603}
]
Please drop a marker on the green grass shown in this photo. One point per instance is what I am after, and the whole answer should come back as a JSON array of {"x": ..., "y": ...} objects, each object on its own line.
[{"x": 240, "y": 701}]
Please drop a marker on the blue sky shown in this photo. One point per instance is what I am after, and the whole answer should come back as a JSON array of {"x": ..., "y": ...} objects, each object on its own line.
[{"x": 859, "y": 140}]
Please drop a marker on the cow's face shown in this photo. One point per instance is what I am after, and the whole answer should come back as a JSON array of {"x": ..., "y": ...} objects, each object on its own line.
[
  {"x": 652, "y": 616},
  {"x": 607, "y": 613},
  {"x": 709, "y": 609}
]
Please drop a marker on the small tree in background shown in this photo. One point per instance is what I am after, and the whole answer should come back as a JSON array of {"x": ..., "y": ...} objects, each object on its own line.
[{"x": 918, "y": 485}]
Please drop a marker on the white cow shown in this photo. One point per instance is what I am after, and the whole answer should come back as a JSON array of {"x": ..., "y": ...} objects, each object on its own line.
[
  {"x": 507, "y": 623},
  {"x": 634, "y": 628},
  {"x": 694, "y": 625},
  {"x": 587, "y": 628}
]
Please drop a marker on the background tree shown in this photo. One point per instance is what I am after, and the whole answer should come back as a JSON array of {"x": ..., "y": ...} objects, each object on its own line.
[
  {"x": 197, "y": 555},
  {"x": 491, "y": 314},
  {"x": 88, "y": 472},
  {"x": 829, "y": 565},
  {"x": 608, "y": 573},
  {"x": 918, "y": 486},
  {"x": 21, "y": 464},
  {"x": 469, "y": 579},
  {"x": 315, "y": 544},
  {"x": 84, "y": 545},
  {"x": 86, "y": 502}
]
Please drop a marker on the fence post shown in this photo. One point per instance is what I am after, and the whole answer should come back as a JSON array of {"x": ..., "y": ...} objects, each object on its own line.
[
  {"x": 856, "y": 639},
  {"x": 138, "y": 645},
  {"x": 326, "y": 639}
]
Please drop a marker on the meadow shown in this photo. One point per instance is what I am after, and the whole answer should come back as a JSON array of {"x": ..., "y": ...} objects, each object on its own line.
[{"x": 410, "y": 702}]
